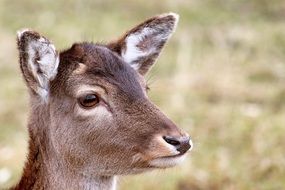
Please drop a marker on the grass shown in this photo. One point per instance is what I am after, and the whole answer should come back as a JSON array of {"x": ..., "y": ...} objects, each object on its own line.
[{"x": 221, "y": 78}]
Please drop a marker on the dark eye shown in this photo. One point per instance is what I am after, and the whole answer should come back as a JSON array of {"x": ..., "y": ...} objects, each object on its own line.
[{"x": 88, "y": 101}]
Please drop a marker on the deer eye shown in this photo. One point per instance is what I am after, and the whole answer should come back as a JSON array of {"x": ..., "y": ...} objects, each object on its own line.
[{"x": 88, "y": 101}]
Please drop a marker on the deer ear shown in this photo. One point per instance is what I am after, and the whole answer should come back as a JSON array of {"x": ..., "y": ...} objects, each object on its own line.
[
  {"x": 38, "y": 60},
  {"x": 141, "y": 46}
]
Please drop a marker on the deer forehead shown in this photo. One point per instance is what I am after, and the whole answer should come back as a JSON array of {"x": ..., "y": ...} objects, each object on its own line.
[
  {"x": 98, "y": 59},
  {"x": 96, "y": 65}
]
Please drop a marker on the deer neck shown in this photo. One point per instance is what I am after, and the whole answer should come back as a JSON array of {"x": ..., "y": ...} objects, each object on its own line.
[{"x": 44, "y": 171}]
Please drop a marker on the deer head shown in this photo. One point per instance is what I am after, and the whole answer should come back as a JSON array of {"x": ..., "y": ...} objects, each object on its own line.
[{"x": 90, "y": 101}]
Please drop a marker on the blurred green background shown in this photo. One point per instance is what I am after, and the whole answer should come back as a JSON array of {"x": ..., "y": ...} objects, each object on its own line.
[{"x": 221, "y": 78}]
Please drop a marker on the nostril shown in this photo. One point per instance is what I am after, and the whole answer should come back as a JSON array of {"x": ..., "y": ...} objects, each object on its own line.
[
  {"x": 171, "y": 140},
  {"x": 182, "y": 144}
]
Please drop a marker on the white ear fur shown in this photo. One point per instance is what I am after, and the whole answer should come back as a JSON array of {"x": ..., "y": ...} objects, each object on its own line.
[
  {"x": 132, "y": 52},
  {"x": 148, "y": 39},
  {"x": 41, "y": 60}
]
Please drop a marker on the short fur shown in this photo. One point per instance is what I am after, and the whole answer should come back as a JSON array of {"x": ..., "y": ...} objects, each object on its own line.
[{"x": 75, "y": 148}]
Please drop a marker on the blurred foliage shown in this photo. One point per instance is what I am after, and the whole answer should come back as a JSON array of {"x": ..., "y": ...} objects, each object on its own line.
[{"x": 221, "y": 78}]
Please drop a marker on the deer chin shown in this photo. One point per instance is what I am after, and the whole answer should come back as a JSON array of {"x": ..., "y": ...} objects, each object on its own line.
[{"x": 167, "y": 161}]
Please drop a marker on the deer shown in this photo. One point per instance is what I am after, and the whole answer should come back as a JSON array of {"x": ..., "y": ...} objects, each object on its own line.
[{"x": 90, "y": 118}]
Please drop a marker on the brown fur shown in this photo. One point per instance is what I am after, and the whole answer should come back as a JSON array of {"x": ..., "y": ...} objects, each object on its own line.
[{"x": 71, "y": 150}]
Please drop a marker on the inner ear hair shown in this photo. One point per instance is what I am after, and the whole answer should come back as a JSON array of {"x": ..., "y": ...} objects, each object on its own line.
[
  {"x": 38, "y": 60},
  {"x": 141, "y": 46}
]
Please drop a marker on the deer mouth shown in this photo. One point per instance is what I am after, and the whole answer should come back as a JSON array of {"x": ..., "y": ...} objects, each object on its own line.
[{"x": 167, "y": 161}]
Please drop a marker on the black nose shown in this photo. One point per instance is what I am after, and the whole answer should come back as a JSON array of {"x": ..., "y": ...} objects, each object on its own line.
[{"x": 181, "y": 144}]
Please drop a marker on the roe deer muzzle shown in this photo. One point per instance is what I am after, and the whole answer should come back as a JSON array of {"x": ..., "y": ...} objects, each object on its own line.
[{"x": 90, "y": 116}]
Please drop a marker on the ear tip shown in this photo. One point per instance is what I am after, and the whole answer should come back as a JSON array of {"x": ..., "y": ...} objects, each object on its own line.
[
  {"x": 175, "y": 15},
  {"x": 172, "y": 15},
  {"x": 22, "y": 31},
  {"x": 26, "y": 33}
]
